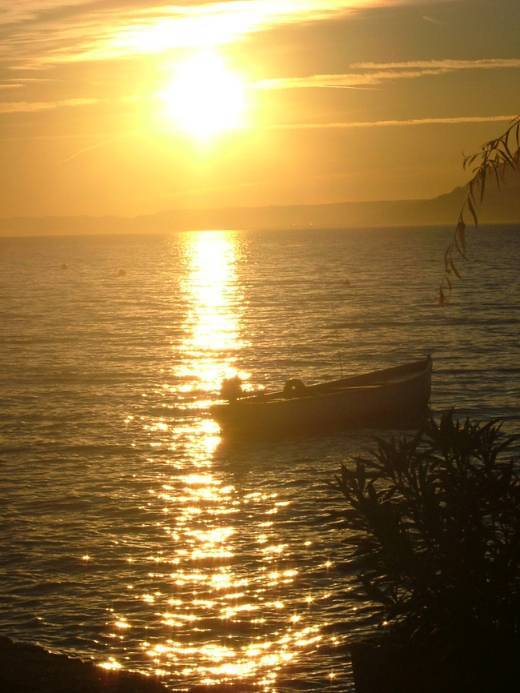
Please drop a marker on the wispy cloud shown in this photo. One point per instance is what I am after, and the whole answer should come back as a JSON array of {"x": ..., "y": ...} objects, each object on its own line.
[
  {"x": 349, "y": 80},
  {"x": 56, "y": 31},
  {"x": 96, "y": 145},
  {"x": 445, "y": 64},
  {"x": 34, "y": 106},
  {"x": 373, "y": 74},
  {"x": 432, "y": 20},
  {"x": 456, "y": 120}
]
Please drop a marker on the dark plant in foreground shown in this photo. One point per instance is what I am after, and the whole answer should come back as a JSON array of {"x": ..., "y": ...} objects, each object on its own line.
[
  {"x": 493, "y": 161},
  {"x": 435, "y": 522}
]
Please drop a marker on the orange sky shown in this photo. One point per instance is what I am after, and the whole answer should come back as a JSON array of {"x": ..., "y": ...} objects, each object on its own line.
[{"x": 299, "y": 101}]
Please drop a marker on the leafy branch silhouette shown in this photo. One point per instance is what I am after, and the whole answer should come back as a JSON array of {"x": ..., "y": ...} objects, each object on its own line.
[{"x": 493, "y": 161}]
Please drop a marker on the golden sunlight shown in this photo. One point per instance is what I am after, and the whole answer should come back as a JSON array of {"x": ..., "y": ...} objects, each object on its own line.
[
  {"x": 213, "y": 326},
  {"x": 205, "y": 98}
]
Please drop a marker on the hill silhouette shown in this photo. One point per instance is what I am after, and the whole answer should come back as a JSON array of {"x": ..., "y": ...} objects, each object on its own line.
[{"x": 501, "y": 206}]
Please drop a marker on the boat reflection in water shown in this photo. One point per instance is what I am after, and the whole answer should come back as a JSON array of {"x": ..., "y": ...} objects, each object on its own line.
[{"x": 218, "y": 605}]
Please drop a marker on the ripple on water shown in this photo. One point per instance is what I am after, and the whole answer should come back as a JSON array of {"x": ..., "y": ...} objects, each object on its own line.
[{"x": 132, "y": 534}]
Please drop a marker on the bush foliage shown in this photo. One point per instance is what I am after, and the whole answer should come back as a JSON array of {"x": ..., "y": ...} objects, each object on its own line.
[{"x": 435, "y": 521}]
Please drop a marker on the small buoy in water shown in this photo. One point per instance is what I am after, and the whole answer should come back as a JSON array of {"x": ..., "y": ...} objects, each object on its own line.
[
  {"x": 121, "y": 273},
  {"x": 64, "y": 266},
  {"x": 347, "y": 282}
]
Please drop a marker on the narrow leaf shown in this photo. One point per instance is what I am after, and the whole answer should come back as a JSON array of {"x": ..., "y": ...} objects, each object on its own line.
[
  {"x": 468, "y": 160},
  {"x": 483, "y": 182},
  {"x": 496, "y": 172},
  {"x": 460, "y": 233},
  {"x": 506, "y": 155},
  {"x": 455, "y": 270},
  {"x": 447, "y": 255},
  {"x": 460, "y": 248},
  {"x": 472, "y": 211},
  {"x": 471, "y": 193}
]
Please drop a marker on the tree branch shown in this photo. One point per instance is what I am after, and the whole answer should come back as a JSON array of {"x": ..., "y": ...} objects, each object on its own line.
[{"x": 494, "y": 160}]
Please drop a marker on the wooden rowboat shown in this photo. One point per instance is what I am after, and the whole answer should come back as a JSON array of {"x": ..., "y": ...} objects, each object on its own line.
[{"x": 395, "y": 397}]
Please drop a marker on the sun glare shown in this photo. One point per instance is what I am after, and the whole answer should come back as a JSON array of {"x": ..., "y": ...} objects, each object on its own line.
[{"x": 205, "y": 98}]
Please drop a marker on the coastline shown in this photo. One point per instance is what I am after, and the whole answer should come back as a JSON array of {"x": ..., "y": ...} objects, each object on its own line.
[{"x": 28, "y": 668}]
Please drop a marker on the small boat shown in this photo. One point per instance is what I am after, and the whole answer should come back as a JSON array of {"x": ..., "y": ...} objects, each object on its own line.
[{"x": 391, "y": 398}]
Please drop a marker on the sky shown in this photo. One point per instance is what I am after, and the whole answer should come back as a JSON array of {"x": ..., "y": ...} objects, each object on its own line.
[{"x": 129, "y": 107}]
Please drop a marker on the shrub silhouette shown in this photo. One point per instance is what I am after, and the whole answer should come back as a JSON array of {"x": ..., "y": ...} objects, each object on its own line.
[{"x": 435, "y": 522}]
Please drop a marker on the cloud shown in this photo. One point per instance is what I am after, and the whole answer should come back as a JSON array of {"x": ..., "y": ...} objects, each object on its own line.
[
  {"x": 456, "y": 120},
  {"x": 34, "y": 106},
  {"x": 447, "y": 65},
  {"x": 373, "y": 74},
  {"x": 432, "y": 20},
  {"x": 349, "y": 80},
  {"x": 56, "y": 31}
]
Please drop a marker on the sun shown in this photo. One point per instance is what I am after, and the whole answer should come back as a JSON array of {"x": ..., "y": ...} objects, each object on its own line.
[{"x": 205, "y": 98}]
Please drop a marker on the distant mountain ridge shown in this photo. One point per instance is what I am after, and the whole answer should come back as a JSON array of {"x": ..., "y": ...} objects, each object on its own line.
[{"x": 500, "y": 206}]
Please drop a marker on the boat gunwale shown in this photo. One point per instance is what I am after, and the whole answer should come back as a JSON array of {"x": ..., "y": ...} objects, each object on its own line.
[{"x": 337, "y": 387}]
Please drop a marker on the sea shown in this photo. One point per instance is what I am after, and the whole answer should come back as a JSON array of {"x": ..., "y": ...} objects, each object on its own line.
[{"x": 131, "y": 533}]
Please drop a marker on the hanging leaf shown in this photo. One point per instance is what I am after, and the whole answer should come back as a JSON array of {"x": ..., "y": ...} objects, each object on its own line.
[
  {"x": 447, "y": 255},
  {"x": 471, "y": 193},
  {"x": 496, "y": 171},
  {"x": 483, "y": 181},
  {"x": 496, "y": 157},
  {"x": 472, "y": 211},
  {"x": 460, "y": 234},
  {"x": 454, "y": 268},
  {"x": 459, "y": 248},
  {"x": 468, "y": 160},
  {"x": 506, "y": 155}
]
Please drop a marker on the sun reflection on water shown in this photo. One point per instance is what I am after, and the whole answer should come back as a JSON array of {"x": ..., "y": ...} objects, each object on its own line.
[
  {"x": 212, "y": 328},
  {"x": 214, "y": 590}
]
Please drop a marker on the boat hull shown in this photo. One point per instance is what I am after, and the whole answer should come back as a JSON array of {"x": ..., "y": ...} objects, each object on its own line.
[{"x": 395, "y": 397}]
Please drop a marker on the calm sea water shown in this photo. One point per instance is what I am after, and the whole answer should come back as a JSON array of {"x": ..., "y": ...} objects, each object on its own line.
[{"x": 129, "y": 533}]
